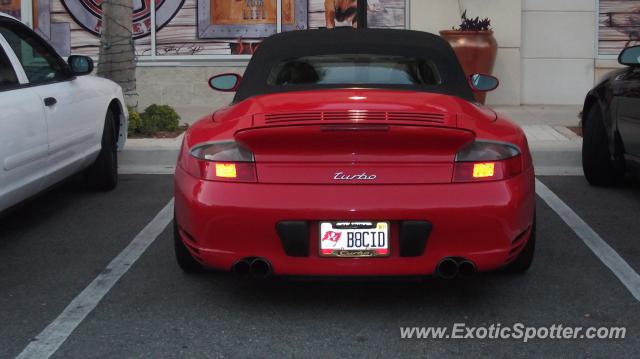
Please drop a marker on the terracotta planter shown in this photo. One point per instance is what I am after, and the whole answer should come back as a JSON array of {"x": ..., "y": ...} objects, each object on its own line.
[{"x": 476, "y": 51}]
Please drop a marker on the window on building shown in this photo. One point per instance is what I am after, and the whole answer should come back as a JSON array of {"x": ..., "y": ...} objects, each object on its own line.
[
  {"x": 185, "y": 29},
  {"x": 618, "y": 26}
]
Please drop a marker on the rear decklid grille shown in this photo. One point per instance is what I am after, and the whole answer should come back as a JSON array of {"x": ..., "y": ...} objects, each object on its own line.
[
  {"x": 397, "y": 145},
  {"x": 318, "y": 117},
  {"x": 367, "y": 154}
]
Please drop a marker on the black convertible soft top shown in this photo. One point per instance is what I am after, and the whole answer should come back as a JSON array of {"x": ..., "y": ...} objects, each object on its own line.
[{"x": 288, "y": 45}]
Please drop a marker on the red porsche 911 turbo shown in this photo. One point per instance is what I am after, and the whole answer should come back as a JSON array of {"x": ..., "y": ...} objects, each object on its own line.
[{"x": 354, "y": 153}]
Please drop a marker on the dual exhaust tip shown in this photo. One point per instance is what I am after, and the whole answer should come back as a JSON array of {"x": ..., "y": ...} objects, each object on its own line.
[
  {"x": 451, "y": 267},
  {"x": 258, "y": 268},
  {"x": 447, "y": 268}
]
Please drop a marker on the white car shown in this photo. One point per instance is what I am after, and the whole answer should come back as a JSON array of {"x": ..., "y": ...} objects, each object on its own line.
[{"x": 54, "y": 121}]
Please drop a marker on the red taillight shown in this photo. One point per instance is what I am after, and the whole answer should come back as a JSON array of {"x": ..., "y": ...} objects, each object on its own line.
[
  {"x": 487, "y": 161},
  {"x": 220, "y": 161}
]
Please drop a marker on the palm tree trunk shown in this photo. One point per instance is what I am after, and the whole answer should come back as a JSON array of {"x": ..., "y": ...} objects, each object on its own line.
[{"x": 117, "y": 60}]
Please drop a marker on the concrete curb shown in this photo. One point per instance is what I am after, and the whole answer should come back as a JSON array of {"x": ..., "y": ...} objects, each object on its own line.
[
  {"x": 556, "y": 149},
  {"x": 560, "y": 161}
]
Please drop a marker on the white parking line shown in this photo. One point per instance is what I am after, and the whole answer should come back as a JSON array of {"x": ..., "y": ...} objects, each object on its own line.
[
  {"x": 559, "y": 171},
  {"x": 56, "y": 333},
  {"x": 52, "y": 337},
  {"x": 598, "y": 246},
  {"x": 146, "y": 170}
]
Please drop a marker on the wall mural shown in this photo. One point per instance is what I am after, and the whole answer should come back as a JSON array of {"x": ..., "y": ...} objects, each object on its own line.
[
  {"x": 619, "y": 26},
  {"x": 194, "y": 27},
  {"x": 88, "y": 14}
]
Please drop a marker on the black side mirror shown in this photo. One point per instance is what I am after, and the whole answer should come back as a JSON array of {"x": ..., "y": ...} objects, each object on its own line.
[
  {"x": 80, "y": 65},
  {"x": 225, "y": 82},
  {"x": 630, "y": 56},
  {"x": 483, "y": 83}
]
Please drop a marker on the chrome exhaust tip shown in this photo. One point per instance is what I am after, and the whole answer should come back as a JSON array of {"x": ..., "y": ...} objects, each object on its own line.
[
  {"x": 447, "y": 268},
  {"x": 467, "y": 269},
  {"x": 260, "y": 268}
]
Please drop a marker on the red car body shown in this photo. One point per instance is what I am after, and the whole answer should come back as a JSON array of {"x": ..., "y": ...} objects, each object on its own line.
[{"x": 354, "y": 154}]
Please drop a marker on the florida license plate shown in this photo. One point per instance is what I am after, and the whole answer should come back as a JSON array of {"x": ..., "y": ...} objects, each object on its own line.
[{"x": 354, "y": 239}]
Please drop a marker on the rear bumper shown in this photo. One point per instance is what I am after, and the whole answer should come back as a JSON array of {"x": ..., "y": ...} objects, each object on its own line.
[{"x": 487, "y": 223}]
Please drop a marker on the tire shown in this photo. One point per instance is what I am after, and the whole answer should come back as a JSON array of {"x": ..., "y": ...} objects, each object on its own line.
[
  {"x": 597, "y": 163},
  {"x": 523, "y": 262},
  {"x": 102, "y": 175},
  {"x": 184, "y": 258}
]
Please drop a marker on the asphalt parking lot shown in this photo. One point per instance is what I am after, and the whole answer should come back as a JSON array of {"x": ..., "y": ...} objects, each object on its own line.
[{"x": 53, "y": 247}]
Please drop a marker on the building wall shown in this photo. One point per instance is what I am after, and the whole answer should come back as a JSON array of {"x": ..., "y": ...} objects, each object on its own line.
[
  {"x": 603, "y": 67},
  {"x": 186, "y": 85},
  {"x": 182, "y": 87},
  {"x": 435, "y": 15},
  {"x": 558, "y": 50},
  {"x": 546, "y": 53}
]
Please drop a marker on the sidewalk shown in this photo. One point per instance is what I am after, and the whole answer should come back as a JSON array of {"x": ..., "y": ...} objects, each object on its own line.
[
  {"x": 546, "y": 127},
  {"x": 556, "y": 149}
]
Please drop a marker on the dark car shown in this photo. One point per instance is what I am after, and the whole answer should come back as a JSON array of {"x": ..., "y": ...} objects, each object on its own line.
[{"x": 611, "y": 124}]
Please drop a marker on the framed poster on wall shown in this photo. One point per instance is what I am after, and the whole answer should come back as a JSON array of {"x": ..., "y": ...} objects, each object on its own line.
[
  {"x": 88, "y": 14},
  {"x": 248, "y": 18},
  {"x": 338, "y": 13},
  {"x": 618, "y": 26}
]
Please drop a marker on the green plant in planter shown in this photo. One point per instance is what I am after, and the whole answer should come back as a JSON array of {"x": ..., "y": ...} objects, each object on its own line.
[
  {"x": 159, "y": 118},
  {"x": 474, "y": 45},
  {"x": 135, "y": 122}
]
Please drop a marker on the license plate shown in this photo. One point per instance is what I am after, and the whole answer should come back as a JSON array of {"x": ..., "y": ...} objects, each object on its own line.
[{"x": 354, "y": 239}]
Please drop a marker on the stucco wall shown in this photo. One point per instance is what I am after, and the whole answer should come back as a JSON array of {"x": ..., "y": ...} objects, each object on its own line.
[
  {"x": 181, "y": 86},
  {"x": 558, "y": 50},
  {"x": 435, "y": 15}
]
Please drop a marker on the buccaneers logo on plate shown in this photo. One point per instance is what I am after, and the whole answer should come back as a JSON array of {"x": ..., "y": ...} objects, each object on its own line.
[
  {"x": 88, "y": 14},
  {"x": 332, "y": 236}
]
